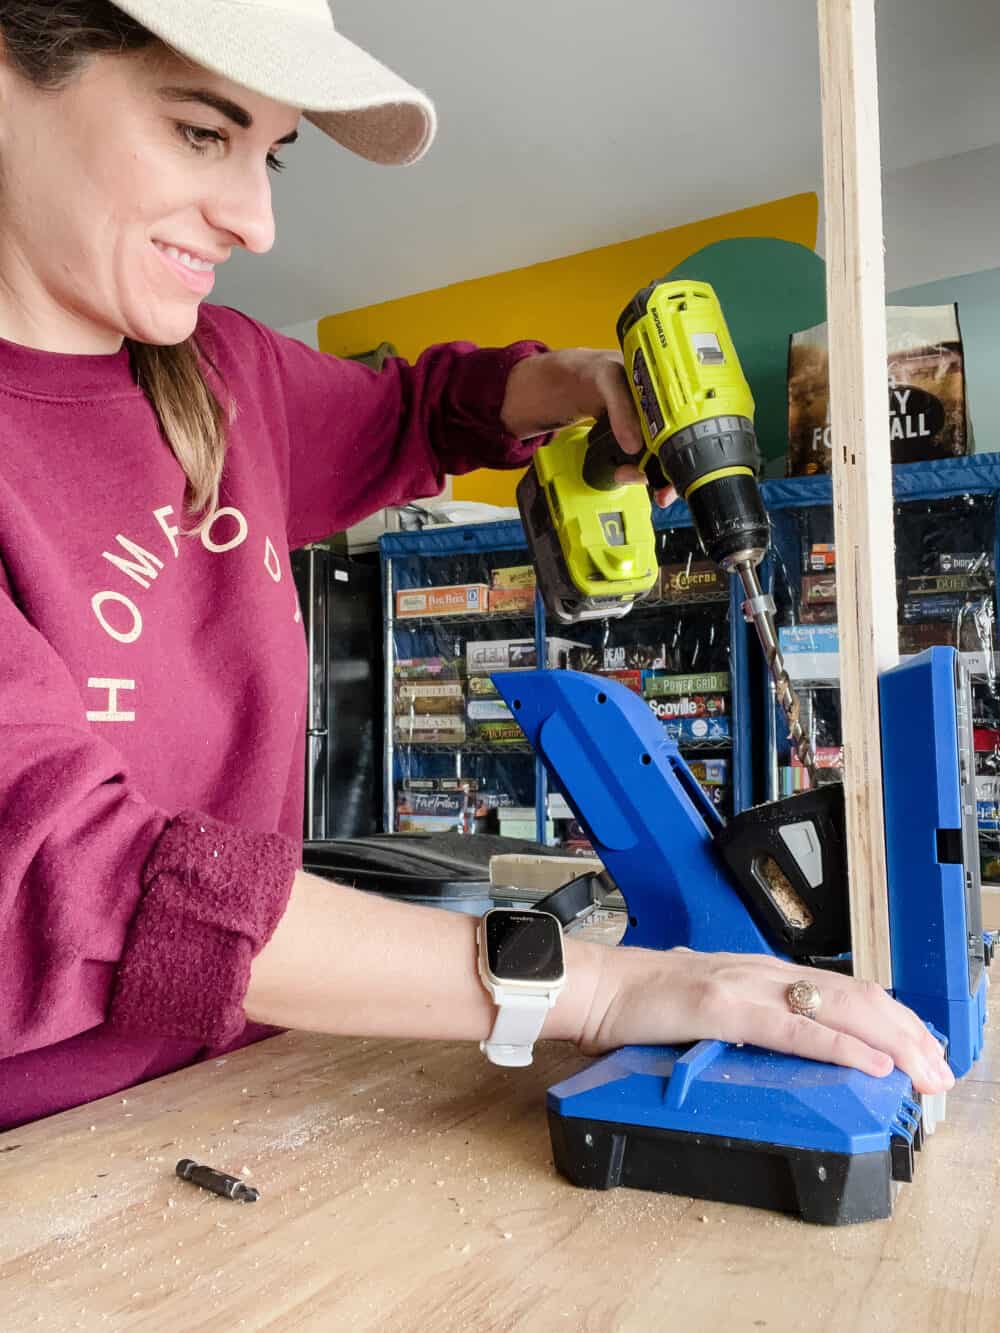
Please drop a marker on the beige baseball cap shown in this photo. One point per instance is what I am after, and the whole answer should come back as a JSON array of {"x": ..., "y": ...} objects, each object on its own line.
[{"x": 290, "y": 51}]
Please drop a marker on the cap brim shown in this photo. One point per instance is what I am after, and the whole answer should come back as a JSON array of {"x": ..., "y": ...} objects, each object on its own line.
[{"x": 307, "y": 64}]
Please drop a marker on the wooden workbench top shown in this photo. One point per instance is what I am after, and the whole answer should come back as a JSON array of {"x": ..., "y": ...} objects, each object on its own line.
[{"x": 409, "y": 1186}]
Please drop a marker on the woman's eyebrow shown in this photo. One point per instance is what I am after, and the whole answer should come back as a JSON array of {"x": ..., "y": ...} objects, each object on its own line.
[{"x": 224, "y": 105}]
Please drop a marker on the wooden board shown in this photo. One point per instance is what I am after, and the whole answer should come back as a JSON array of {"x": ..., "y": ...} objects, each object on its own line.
[
  {"x": 991, "y": 907},
  {"x": 409, "y": 1186},
  {"x": 862, "y": 485}
]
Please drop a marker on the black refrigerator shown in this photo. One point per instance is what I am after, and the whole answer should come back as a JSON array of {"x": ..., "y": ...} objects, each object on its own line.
[{"x": 342, "y": 611}]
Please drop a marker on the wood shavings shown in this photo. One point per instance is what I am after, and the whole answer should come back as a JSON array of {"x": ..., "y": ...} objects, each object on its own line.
[{"x": 782, "y": 893}]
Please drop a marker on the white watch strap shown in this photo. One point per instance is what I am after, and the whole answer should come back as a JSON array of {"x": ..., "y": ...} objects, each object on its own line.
[{"x": 518, "y": 1022}]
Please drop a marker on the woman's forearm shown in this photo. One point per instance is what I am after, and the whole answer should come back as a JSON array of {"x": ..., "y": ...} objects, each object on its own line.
[
  {"x": 349, "y": 962},
  {"x": 343, "y": 961}
]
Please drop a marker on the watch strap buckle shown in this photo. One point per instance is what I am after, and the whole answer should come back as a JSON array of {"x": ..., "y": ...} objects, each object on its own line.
[{"x": 573, "y": 902}]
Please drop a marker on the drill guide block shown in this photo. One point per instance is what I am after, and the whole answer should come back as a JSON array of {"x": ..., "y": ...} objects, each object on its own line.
[
  {"x": 739, "y": 1125},
  {"x": 736, "y": 1124},
  {"x": 626, "y": 780},
  {"x": 932, "y": 849}
]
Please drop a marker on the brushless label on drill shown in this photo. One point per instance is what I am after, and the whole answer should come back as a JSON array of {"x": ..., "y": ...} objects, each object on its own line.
[
  {"x": 613, "y": 527},
  {"x": 648, "y": 404}
]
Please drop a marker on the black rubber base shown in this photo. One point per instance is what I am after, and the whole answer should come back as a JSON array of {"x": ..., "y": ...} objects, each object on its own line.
[{"x": 830, "y": 1189}]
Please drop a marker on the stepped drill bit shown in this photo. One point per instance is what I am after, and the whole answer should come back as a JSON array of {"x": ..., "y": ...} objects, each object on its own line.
[{"x": 758, "y": 609}]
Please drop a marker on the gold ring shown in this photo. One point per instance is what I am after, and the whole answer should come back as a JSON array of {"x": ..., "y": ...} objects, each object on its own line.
[{"x": 804, "y": 998}]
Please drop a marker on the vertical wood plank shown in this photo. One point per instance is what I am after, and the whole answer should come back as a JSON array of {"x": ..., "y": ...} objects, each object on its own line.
[{"x": 862, "y": 480}]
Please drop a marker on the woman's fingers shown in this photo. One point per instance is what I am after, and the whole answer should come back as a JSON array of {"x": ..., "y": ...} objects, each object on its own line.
[
  {"x": 629, "y": 475},
  {"x": 858, "y": 1023},
  {"x": 680, "y": 995},
  {"x": 619, "y": 404},
  {"x": 766, "y": 1025},
  {"x": 866, "y": 1015},
  {"x": 871, "y": 1015},
  {"x": 625, "y": 427},
  {"x": 866, "y": 1011}
]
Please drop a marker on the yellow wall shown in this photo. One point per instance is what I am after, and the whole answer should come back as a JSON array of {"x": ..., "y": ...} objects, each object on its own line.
[{"x": 564, "y": 302}]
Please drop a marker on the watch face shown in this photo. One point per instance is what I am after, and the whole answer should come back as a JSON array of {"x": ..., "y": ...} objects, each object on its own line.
[{"x": 524, "y": 946}]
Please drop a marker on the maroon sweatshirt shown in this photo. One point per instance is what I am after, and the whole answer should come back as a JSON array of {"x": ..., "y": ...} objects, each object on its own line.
[{"x": 152, "y": 683}]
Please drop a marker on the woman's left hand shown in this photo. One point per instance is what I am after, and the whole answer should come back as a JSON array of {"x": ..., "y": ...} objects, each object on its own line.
[
  {"x": 641, "y": 997},
  {"x": 556, "y": 389}
]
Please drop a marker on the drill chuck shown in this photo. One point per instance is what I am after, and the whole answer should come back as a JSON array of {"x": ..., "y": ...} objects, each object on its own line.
[{"x": 729, "y": 517}]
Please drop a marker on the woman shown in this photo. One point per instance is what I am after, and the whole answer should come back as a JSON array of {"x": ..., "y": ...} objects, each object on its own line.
[{"x": 158, "y": 457}]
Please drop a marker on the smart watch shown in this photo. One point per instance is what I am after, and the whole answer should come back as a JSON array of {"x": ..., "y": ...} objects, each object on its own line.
[{"x": 522, "y": 966}]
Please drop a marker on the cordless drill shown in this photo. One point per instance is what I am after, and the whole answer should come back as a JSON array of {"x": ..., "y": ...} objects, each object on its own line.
[{"x": 592, "y": 540}]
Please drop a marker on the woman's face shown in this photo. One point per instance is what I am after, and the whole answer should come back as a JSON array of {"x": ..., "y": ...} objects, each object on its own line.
[{"x": 120, "y": 193}]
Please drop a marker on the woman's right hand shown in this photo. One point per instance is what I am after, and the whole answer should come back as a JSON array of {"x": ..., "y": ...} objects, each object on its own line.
[{"x": 644, "y": 996}]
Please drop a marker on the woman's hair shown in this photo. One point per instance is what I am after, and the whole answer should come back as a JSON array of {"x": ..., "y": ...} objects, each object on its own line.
[{"x": 48, "y": 42}]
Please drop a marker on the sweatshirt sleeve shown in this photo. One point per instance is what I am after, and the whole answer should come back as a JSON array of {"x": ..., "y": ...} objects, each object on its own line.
[
  {"x": 112, "y": 910},
  {"x": 358, "y": 440}
]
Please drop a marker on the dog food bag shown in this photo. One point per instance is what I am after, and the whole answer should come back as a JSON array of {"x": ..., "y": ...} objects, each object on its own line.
[{"x": 927, "y": 405}]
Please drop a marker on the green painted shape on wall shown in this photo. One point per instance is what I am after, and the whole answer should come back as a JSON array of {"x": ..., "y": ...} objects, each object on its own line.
[{"x": 769, "y": 289}]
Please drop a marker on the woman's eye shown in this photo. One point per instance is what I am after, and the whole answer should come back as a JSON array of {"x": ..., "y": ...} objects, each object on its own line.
[
  {"x": 201, "y": 139},
  {"x": 198, "y": 137}
]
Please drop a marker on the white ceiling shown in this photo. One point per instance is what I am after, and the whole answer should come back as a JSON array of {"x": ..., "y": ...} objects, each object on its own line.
[{"x": 569, "y": 124}]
